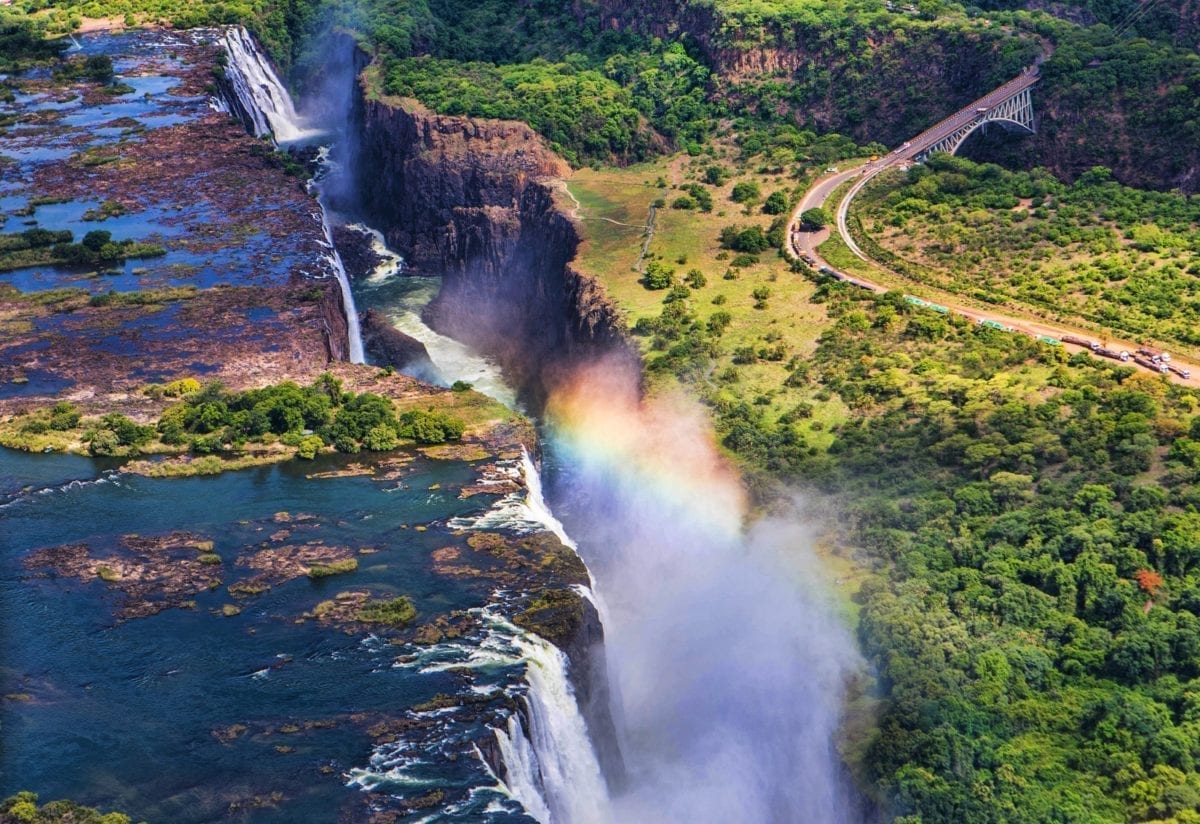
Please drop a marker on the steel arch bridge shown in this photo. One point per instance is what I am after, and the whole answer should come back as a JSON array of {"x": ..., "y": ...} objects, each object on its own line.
[{"x": 1015, "y": 113}]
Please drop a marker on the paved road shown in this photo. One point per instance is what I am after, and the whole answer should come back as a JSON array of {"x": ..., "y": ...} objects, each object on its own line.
[{"x": 804, "y": 245}]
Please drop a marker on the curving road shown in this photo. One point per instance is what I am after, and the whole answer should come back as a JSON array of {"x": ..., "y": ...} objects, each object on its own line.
[{"x": 803, "y": 245}]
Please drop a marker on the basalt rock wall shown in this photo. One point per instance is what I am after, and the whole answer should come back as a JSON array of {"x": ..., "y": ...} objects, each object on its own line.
[{"x": 475, "y": 202}]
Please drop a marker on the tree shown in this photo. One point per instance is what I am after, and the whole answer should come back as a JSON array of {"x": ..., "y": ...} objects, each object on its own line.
[
  {"x": 745, "y": 192},
  {"x": 309, "y": 446},
  {"x": 716, "y": 175},
  {"x": 96, "y": 240},
  {"x": 776, "y": 204},
  {"x": 98, "y": 67},
  {"x": 430, "y": 427},
  {"x": 1148, "y": 581},
  {"x": 815, "y": 219},
  {"x": 380, "y": 439},
  {"x": 658, "y": 276}
]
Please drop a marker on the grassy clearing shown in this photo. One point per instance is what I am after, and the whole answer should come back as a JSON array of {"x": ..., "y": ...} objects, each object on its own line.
[
  {"x": 477, "y": 411},
  {"x": 613, "y": 205},
  {"x": 1091, "y": 253}
]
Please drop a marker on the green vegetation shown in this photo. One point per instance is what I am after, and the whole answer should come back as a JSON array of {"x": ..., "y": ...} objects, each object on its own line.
[
  {"x": 1023, "y": 522},
  {"x": 816, "y": 218},
  {"x": 107, "y": 209},
  {"x": 97, "y": 68},
  {"x": 44, "y": 247},
  {"x": 1115, "y": 257},
  {"x": 216, "y": 424},
  {"x": 588, "y": 109},
  {"x": 1012, "y": 507},
  {"x": 1019, "y": 523},
  {"x": 393, "y": 613},
  {"x": 144, "y": 297},
  {"x": 427, "y": 427},
  {"x": 23, "y": 808},
  {"x": 22, "y": 41},
  {"x": 1030, "y": 521},
  {"x": 318, "y": 571}
]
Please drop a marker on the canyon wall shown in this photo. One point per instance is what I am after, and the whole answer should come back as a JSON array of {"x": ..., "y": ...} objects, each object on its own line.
[
  {"x": 475, "y": 202},
  {"x": 1127, "y": 107},
  {"x": 333, "y": 322}
]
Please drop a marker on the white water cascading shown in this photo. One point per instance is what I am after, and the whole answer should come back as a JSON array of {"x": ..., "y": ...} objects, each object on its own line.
[
  {"x": 265, "y": 100},
  {"x": 265, "y": 105},
  {"x": 552, "y": 767}
]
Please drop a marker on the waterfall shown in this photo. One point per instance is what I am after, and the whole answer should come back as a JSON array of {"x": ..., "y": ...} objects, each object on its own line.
[
  {"x": 264, "y": 105},
  {"x": 535, "y": 502},
  {"x": 552, "y": 768},
  {"x": 390, "y": 263},
  {"x": 353, "y": 327},
  {"x": 261, "y": 97}
]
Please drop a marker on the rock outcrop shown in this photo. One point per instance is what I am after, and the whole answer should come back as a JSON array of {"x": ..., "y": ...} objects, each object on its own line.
[
  {"x": 388, "y": 346},
  {"x": 474, "y": 201}
]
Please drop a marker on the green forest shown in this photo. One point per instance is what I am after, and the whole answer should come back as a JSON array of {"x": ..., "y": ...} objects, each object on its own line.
[
  {"x": 1030, "y": 522},
  {"x": 607, "y": 83}
]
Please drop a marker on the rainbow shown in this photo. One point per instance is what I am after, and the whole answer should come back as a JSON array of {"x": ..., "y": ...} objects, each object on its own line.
[{"x": 663, "y": 447}]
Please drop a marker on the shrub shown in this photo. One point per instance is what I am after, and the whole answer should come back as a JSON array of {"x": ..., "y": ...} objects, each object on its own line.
[
  {"x": 718, "y": 322},
  {"x": 695, "y": 279},
  {"x": 703, "y": 198},
  {"x": 394, "y": 613},
  {"x": 716, "y": 175},
  {"x": 658, "y": 276},
  {"x": 208, "y": 444},
  {"x": 381, "y": 438},
  {"x": 98, "y": 67},
  {"x": 750, "y": 239},
  {"x": 347, "y": 444},
  {"x": 684, "y": 202},
  {"x": 309, "y": 446},
  {"x": 345, "y": 565},
  {"x": 104, "y": 442},
  {"x": 745, "y": 192},
  {"x": 678, "y": 292},
  {"x": 776, "y": 204},
  {"x": 430, "y": 427},
  {"x": 63, "y": 416},
  {"x": 816, "y": 218},
  {"x": 128, "y": 432}
]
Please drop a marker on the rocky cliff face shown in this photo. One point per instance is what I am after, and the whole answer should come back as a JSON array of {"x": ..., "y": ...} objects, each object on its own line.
[
  {"x": 388, "y": 346},
  {"x": 333, "y": 323},
  {"x": 474, "y": 201}
]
